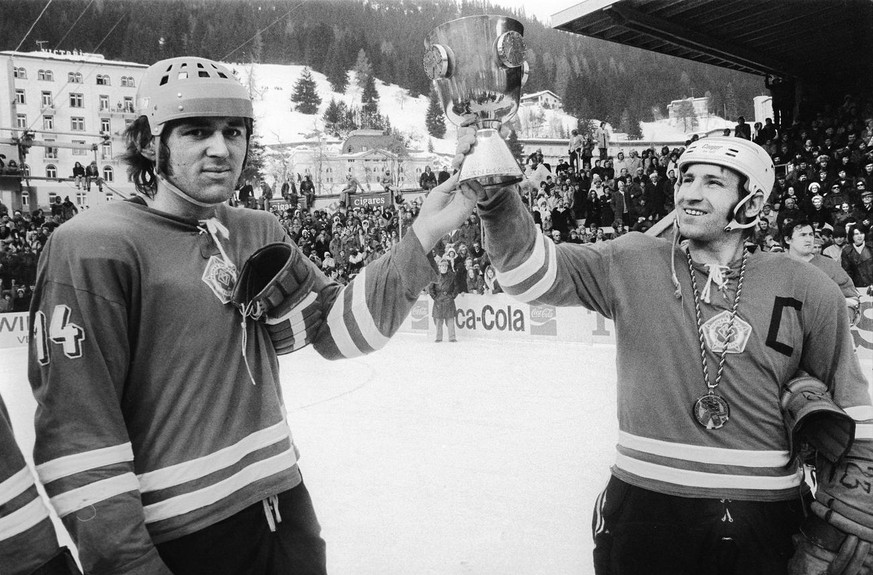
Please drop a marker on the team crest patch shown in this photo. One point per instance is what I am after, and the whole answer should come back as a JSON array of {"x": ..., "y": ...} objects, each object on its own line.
[
  {"x": 715, "y": 332},
  {"x": 220, "y": 277}
]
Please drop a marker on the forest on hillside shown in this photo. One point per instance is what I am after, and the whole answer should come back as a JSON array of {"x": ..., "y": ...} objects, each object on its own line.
[{"x": 596, "y": 79}]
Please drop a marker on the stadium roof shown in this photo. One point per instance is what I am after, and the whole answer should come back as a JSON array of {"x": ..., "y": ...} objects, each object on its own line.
[{"x": 816, "y": 40}]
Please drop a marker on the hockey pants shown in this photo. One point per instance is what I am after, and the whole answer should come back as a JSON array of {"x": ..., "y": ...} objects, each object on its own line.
[
  {"x": 243, "y": 544},
  {"x": 638, "y": 531}
]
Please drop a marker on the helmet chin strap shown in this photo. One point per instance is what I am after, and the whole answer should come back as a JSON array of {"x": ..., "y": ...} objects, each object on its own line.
[
  {"x": 734, "y": 224},
  {"x": 175, "y": 189}
]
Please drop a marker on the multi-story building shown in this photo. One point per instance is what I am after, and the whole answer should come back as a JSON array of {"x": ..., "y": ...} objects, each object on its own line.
[
  {"x": 76, "y": 106},
  {"x": 365, "y": 155}
]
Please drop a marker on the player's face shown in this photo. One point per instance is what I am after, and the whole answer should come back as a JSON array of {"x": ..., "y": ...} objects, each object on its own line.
[
  {"x": 802, "y": 241},
  {"x": 705, "y": 199},
  {"x": 206, "y": 157}
]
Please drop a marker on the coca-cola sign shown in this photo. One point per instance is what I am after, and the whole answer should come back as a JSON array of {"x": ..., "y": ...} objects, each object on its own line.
[{"x": 543, "y": 320}]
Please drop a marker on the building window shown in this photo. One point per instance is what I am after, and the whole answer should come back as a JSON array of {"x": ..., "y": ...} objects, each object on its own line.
[
  {"x": 25, "y": 199},
  {"x": 46, "y": 75},
  {"x": 47, "y": 101},
  {"x": 74, "y": 78},
  {"x": 77, "y": 100},
  {"x": 21, "y": 121},
  {"x": 102, "y": 80},
  {"x": 108, "y": 174},
  {"x": 77, "y": 124},
  {"x": 51, "y": 171},
  {"x": 48, "y": 122},
  {"x": 104, "y": 125},
  {"x": 127, "y": 82},
  {"x": 106, "y": 151},
  {"x": 52, "y": 195},
  {"x": 81, "y": 198},
  {"x": 83, "y": 151},
  {"x": 128, "y": 104},
  {"x": 19, "y": 73},
  {"x": 50, "y": 152},
  {"x": 108, "y": 196},
  {"x": 104, "y": 102},
  {"x": 20, "y": 97}
]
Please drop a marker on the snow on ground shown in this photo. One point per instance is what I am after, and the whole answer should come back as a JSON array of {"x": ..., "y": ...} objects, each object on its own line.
[
  {"x": 479, "y": 457},
  {"x": 663, "y": 131}
]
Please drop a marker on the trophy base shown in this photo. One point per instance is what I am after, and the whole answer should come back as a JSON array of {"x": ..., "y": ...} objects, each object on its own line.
[{"x": 490, "y": 163}]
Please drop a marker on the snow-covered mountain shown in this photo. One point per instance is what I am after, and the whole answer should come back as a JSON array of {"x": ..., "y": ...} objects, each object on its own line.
[{"x": 272, "y": 85}]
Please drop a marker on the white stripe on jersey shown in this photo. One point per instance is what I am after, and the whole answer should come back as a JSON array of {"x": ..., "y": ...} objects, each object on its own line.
[
  {"x": 23, "y": 519},
  {"x": 216, "y": 461},
  {"x": 337, "y": 325},
  {"x": 20, "y": 482},
  {"x": 75, "y": 499},
  {"x": 860, "y": 412},
  {"x": 545, "y": 283},
  {"x": 188, "y": 502},
  {"x": 706, "y": 480},
  {"x": 527, "y": 268},
  {"x": 79, "y": 462},
  {"x": 295, "y": 314},
  {"x": 703, "y": 454},
  {"x": 362, "y": 314}
]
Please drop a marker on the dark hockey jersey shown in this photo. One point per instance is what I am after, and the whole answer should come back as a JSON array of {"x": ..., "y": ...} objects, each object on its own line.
[
  {"x": 791, "y": 317},
  {"x": 152, "y": 422}
]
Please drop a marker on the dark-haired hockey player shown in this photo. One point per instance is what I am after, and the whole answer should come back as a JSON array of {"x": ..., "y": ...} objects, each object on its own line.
[
  {"x": 161, "y": 435},
  {"x": 708, "y": 340}
]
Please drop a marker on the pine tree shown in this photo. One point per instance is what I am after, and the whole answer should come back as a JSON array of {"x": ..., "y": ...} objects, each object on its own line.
[
  {"x": 305, "y": 94},
  {"x": 254, "y": 160},
  {"x": 363, "y": 69},
  {"x": 434, "y": 118},
  {"x": 332, "y": 117},
  {"x": 335, "y": 70},
  {"x": 370, "y": 117},
  {"x": 515, "y": 147}
]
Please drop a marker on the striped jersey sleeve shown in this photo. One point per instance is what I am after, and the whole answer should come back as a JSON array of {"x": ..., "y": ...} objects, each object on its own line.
[
  {"x": 27, "y": 537},
  {"x": 361, "y": 317}
]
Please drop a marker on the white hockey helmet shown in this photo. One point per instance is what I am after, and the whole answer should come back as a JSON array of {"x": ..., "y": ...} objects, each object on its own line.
[
  {"x": 188, "y": 87},
  {"x": 742, "y": 156}
]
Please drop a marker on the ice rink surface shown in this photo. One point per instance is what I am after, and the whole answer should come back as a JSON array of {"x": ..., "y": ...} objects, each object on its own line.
[{"x": 477, "y": 457}]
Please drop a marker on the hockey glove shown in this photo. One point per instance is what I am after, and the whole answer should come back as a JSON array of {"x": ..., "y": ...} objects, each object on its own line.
[
  {"x": 844, "y": 500},
  {"x": 821, "y": 549},
  {"x": 813, "y": 419},
  {"x": 276, "y": 285}
]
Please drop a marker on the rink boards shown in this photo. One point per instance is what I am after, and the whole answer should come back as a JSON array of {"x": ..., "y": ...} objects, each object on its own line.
[{"x": 499, "y": 317}]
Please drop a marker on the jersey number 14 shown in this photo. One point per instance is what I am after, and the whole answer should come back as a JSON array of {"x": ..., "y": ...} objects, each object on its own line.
[{"x": 60, "y": 331}]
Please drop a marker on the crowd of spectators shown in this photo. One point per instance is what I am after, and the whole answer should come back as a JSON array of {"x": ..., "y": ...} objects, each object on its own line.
[
  {"x": 22, "y": 237},
  {"x": 824, "y": 174}
]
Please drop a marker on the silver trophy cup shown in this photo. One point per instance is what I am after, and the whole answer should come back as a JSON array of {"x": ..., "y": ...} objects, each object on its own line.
[{"x": 478, "y": 68}]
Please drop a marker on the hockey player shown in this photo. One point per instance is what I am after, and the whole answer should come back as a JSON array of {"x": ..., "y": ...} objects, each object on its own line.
[
  {"x": 161, "y": 434},
  {"x": 799, "y": 239},
  {"x": 28, "y": 544},
  {"x": 708, "y": 339}
]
